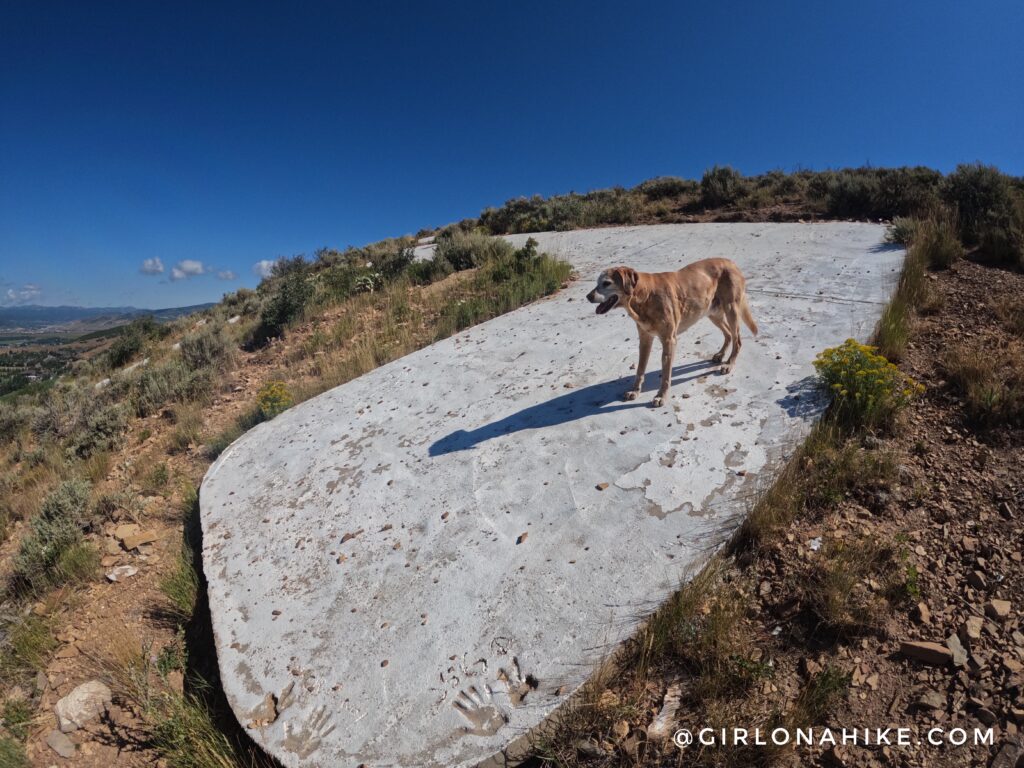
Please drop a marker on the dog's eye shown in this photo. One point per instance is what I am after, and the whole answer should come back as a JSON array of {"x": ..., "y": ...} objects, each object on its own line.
[{"x": 606, "y": 283}]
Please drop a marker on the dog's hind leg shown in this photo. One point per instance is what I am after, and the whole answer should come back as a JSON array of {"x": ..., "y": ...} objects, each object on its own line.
[
  {"x": 732, "y": 318},
  {"x": 646, "y": 340},
  {"x": 668, "y": 351},
  {"x": 724, "y": 328}
]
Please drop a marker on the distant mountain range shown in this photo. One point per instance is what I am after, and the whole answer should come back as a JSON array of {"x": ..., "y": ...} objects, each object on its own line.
[{"x": 33, "y": 319}]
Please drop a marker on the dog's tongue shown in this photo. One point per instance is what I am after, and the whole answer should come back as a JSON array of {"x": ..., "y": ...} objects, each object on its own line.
[{"x": 605, "y": 305}]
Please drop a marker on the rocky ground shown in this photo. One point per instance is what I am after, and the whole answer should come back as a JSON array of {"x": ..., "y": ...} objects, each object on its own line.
[
  {"x": 126, "y": 609},
  {"x": 953, "y": 656}
]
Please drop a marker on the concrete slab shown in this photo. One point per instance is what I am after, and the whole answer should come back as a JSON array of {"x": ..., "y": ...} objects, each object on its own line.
[{"x": 417, "y": 567}]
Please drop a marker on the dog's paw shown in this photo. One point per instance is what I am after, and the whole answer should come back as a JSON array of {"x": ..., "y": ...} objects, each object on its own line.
[
  {"x": 631, "y": 395},
  {"x": 658, "y": 401},
  {"x": 727, "y": 368},
  {"x": 717, "y": 357}
]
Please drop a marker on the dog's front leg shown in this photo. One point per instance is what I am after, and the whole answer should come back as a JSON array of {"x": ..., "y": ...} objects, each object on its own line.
[
  {"x": 646, "y": 340},
  {"x": 668, "y": 351}
]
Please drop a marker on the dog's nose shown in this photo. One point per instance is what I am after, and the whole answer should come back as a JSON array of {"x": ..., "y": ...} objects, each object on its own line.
[{"x": 590, "y": 296}]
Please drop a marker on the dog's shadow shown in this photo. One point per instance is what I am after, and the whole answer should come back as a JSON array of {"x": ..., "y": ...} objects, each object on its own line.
[{"x": 575, "y": 404}]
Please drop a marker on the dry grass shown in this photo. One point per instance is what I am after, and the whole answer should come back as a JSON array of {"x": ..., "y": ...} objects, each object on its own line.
[
  {"x": 818, "y": 697},
  {"x": 846, "y": 589},
  {"x": 28, "y": 643},
  {"x": 700, "y": 636},
  {"x": 178, "y": 724},
  {"x": 823, "y": 471},
  {"x": 912, "y": 291},
  {"x": 39, "y": 474},
  {"x": 97, "y": 466},
  {"x": 668, "y": 631},
  {"x": 902, "y": 230},
  {"x": 990, "y": 378},
  {"x": 934, "y": 244},
  {"x": 188, "y": 427},
  {"x": 1010, "y": 311},
  {"x": 937, "y": 240},
  {"x": 78, "y": 564}
]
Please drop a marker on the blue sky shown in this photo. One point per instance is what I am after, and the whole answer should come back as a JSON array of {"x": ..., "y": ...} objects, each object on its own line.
[{"x": 215, "y": 135}]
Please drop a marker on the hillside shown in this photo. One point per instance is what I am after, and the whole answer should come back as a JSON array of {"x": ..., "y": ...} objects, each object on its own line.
[
  {"x": 76, "y": 321},
  {"x": 100, "y": 475},
  {"x": 38, "y": 344}
]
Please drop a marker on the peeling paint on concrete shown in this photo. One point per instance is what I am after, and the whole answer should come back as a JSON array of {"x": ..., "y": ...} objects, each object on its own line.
[{"x": 432, "y": 638}]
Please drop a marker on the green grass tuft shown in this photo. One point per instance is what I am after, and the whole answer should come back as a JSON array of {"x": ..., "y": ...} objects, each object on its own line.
[
  {"x": 181, "y": 585},
  {"x": 28, "y": 643},
  {"x": 12, "y": 754}
]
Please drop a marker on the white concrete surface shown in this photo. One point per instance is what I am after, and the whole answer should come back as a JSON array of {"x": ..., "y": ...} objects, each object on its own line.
[{"x": 417, "y": 567}]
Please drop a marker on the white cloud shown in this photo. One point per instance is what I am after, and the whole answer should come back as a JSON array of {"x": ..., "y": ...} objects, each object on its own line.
[
  {"x": 263, "y": 267},
  {"x": 152, "y": 267},
  {"x": 227, "y": 274},
  {"x": 191, "y": 267},
  {"x": 27, "y": 293},
  {"x": 187, "y": 268}
]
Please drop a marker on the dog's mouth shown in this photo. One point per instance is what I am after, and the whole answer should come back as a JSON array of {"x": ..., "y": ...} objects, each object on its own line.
[{"x": 607, "y": 304}]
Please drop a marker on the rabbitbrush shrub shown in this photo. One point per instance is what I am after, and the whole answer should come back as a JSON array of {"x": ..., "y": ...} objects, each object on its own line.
[
  {"x": 273, "y": 398},
  {"x": 867, "y": 389}
]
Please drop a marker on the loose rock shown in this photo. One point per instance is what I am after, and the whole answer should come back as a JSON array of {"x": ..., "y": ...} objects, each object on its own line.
[
  {"x": 1009, "y": 756},
  {"x": 661, "y": 728},
  {"x": 138, "y": 539},
  {"x": 957, "y": 649},
  {"x": 121, "y": 573},
  {"x": 985, "y": 715},
  {"x": 971, "y": 629},
  {"x": 926, "y": 652},
  {"x": 60, "y": 744},
  {"x": 931, "y": 700},
  {"x": 998, "y": 610},
  {"x": 84, "y": 704}
]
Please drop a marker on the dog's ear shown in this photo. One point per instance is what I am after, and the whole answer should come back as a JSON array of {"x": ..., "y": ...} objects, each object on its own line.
[{"x": 627, "y": 277}]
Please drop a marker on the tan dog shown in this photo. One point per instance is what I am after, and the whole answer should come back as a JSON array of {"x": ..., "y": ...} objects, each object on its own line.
[{"x": 664, "y": 304}]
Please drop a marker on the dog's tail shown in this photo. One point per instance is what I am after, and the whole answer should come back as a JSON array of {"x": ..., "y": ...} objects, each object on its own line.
[{"x": 745, "y": 314}]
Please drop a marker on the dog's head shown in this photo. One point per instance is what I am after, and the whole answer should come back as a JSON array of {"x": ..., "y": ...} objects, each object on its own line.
[{"x": 613, "y": 285}]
